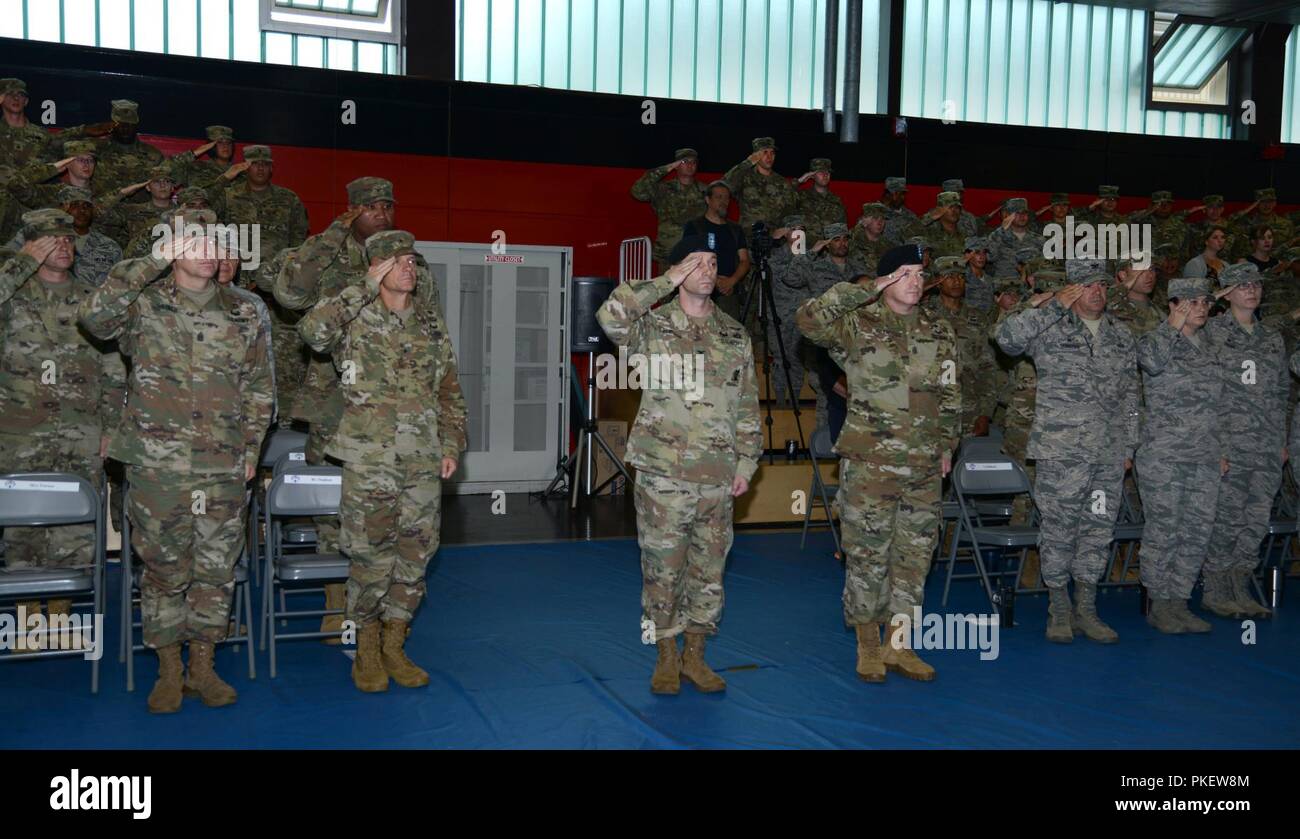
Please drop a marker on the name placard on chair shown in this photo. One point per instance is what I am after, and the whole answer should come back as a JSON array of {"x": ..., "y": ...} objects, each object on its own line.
[
  {"x": 297, "y": 456},
  {"x": 41, "y": 486},
  {"x": 988, "y": 467},
  {"x": 323, "y": 480}
]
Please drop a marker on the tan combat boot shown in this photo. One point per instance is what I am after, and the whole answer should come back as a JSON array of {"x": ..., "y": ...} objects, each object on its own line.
[
  {"x": 335, "y": 598},
  {"x": 202, "y": 681},
  {"x": 1239, "y": 586},
  {"x": 871, "y": 663},
  {"x": 1216, "y": 596},
  {"x": 165, "y": 698},
  {"x": 368, "y": 672},
  {"x": 1190, "y": 621},
  {"x": 1059, "y": 628},
  {"x": 1085, "y": 619},
  {"x": 666, "y": 680},
  {"x": 904, "y": 661},
  {"x": 394, "y": 659},
  {"x": 694, "y": 670},
  {"x": 1162, "y": 618}
]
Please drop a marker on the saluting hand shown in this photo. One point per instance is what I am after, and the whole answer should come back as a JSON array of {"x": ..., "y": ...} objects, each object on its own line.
[
  {"x": 1179, "y": 315},
  {"x": 380, "y": 269},
  {"x": 236, "y": 170},
  {"x": 1040, "y": 298},
  {"x": 40, "y": 248},
  {"x": 132, "y": 188},
  {"x": 349, "y": 215},
  {"x": 205, "y": 148},
  {"x": 1069, "y": 294}
]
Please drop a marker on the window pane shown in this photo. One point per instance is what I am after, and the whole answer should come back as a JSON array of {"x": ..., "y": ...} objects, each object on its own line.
[
  {"x": 340, "y": 54},
  {"x": 182, "y": 32},
  {"x": 79, "y": 22},
  {"x": 43, "y": 21},
  {"x": 115, "y": 24},
  {"x": 149, "y": 25},
  {"x": 248, "y": 32},
  {"x": 279, "y": 48},
  {"x": 11, "y": 18},
  {"x": 311, "y": 51},
  {"x": 370, "y": 57},
  {"x": 216, "y": 28}
]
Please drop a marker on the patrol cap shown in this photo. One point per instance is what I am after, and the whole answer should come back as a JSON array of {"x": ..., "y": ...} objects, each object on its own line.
[
  {"x": 948, "y": 199},
  {"x": 192, "y": 195},
  {"x": 1060, "y": 198},
  {"x": 1027, "y": 254},
  {"x": 835, "y": 230},
  {"x": 220, "y": 132},
  {"x": 1038, "y": 263},
  {"x": 1238, "y": 273},
  {"x": 79, "y": 148},
  {"x": 792, "y": 221},
  {"x": 820, "y": 164},
  {"x": 1129, "y": 264},
  {"x": 388, "y": 243},
  {"x": 1107, "y": 191},
  {"x": 686, "y": 154},
  {"x": 69, "y": 194},
  {"x": 257, "y": 153},
  {"x": 160, "y": 172},
  {"x": 1049, "y": 279},
  {"x": 684, "y": 248},
  {"x": 977, "y": 243},
  {"x": 895, "y": 184},
  {"x": 125, "y": 111},
  {"x": 1165, "y": 250},
  {"x": 1212, "y": 201},
  {"x": 368, "y": 190},
  {"x": 874, "y": 209},
  {"x": 1161, "y": 195},
  {"x": 946, "y": 265},
  {"x": 1017, "y": 205},
  {"x": 12, "y": 85},
  {"x": 1184, "y": 288},
  {"x": 1008, "y": 285},
  {"x": 896, "y": 257},
  {"x": 47, "y": 222},
  {"x": 1077, "y": 269},
  {"x": 954, "y": 185},
  {"x": 1089, "y": 278},
  {"x": 190, "y": 215},
  {"x": 1266, "y": 194},
  {"x": 760, "y": 143}
]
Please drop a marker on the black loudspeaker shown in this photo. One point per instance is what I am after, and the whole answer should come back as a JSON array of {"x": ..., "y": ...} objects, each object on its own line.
[{"x": 585, "y": 334}]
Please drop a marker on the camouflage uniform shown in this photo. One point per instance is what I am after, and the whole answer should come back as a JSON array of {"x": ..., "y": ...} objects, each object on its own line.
[
  {"x": 188, "y": 169},
  {"x": 674, "y": 203},
  {"x": 29, "y": 143},
  {"x": 687, "y": 452},
  {"x": 1085, "y": 426},
  {"x": 967, "y": 223},
  {"x": 123, "y": 164},
  {"x": 1197, "y": 231},
  {"x": 1138, "y": 316},
  {"x": 903, "y": 416},
  {"x": 979, "y": 286},
  {"x": 861, "y": 247},
  {"x": 766, "y": 198},
  {"x": 1241, "y": 223},
  {"x": 200, "y": 400},
  {"x": 944, "y": 241},
  {"x": 787, "y": 298},
  {"x": 277, "y": 211},
  {"x": 900, "y": 223},
  {"x": 977, "y": 367},
  {"x": 60, "y": 391},
  {"x": 392, "y": 435},
  {"x": 1100, "y": 216},
  {"x": 1004, "y": 243},
  {"x": 96, "y": 253},
  {"x": 812, "y": 275},
  {"x": 819, "y": 208},
  {"x": 1170, "y": 229}
]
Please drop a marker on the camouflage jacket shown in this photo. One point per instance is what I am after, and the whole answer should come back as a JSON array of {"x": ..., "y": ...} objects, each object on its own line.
[
  {"x": 814, "y": 274},
  {"x": 765, "y": 198},
  {"x": 1139, "y": 318},
  {"x": 1187, "y": 413},
  {"x": 979, "y": 291},
  {"x": 123, "y": 164},
  {"x": 866, "y": 252},
  {"x": 943, "y": 242},
  {"x": 96, "y": 255},
  {"x": 278, "y": 212},
  {"x": 201, "y": 390},
  {"x": 1003, "y": 245},
  {"x": 707, "y": 430},
  {"x": 901, "y": 225},
  {"x": 818, "y": 210},
  {"x": 401, "y": 394},
  {"x": 1086, "y": 404},
  {"x": 904, "y": 398},
  {"x": 673, "y": 203},
  {"x": 977, "y": 369},
  {"x": 34, "y": 188},
  {"x": 189, "y": 170},
  {"x": 53, "y": 376},
  {"x": 1258, "y": 388},
  {"x": 1283, "y": 231}
]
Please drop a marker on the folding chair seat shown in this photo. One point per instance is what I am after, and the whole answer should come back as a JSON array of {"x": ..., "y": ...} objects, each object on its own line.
[{"x": 983, "y": 471}]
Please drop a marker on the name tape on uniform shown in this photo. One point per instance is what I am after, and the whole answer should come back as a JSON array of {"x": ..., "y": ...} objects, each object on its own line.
[
  {"x": 297, "y": 455},
  {"x": 319, "y": 480},
  {"x": 41, "y": 486},
  {"x": 989, "y": 467}
]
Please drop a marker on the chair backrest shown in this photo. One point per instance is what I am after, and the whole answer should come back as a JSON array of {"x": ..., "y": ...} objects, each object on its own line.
[
  {"x": 979, "y": 445},
  {"x": 305, "y": 491},
  {"x": 40, "y": 499},
  {"x": 279, "y": 442},
  {"x": 820, "y": 446},
  {"x": 291, "y": 459},
  {"x": 986, "y": 471}
]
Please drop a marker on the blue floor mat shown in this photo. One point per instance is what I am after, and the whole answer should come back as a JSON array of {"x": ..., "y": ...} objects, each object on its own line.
[{"x": 538, "y": 646}]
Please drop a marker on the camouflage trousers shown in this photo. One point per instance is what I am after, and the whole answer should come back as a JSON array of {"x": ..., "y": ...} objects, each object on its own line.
[
  {"x": 391, "y": 520},
  {"x": 1241, "y": 516},
  {"x": 1015, "y": 443},
  {"x": 1179, "y": 502},
  {"x": 684, "y": 530},
  {"x": 61, "y": 546},
  {"x": 889, "y": 523},
  {"x": 189, "y": 545},
  {"x": 1078, "y": 504}
]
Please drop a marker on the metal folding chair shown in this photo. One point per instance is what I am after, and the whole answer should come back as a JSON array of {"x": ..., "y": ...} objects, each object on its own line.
[
  {"x": 1126, "y": 537},
  {"x": 986, "y": 472},
  {"x": 820, "y": 447},
  {"x": 280, "y": 444},
  {"x": 1275, "y": 549},
  {"x": 55, "y": 499},
  {"x": 298, "y": 491}
]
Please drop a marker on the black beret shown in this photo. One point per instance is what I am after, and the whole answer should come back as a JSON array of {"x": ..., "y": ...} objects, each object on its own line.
[
  {"x": 895, "y": 258},
  {"x": 687, "y": 246}
]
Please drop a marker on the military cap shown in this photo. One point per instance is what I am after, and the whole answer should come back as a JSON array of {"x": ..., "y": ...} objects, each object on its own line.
[
  {"x": 1038, "y": 263},
  {"x": 1017, "y": 205},
  {"x": 78, "y": 148},
  {"x": 686, "y": 246},
  {"x": 47, "y": 222},
  {"x": 921, "y": 242},
  {"x": 190, "y": 215},
  {"x": 1060, "y": 198},
  {"x": 895, "y": 184},
  {"x": 191, "y": 194},
  {"x": 369, "y": 190},
  {"x": 1131, "y": 264},
  {"x": 1161, "y": 195},
  {"x": 948, "y": 199},
  {"x": 1077, "y": 269},
  {"x": 954, "y": 185},
  {"x": 1049, "y": 279},
  {"x": 792, "y": 221},
  {"x": 1238, "y": 273},
  {"x": 220, "y": 132},
  {"x": 874, "y": 209},
  {"x": 126, "y": 111},
  {"x": 834, "y": 230},
  {"x": 945, "y": 265},
  {"x": 1089, "y": 277},
  {"x": 12, "y": 85},
  {"x": 977, "y": 243},
  {"x": 761, "y": 143},
  {"x": 1184, "y": 288},
  {"x": 719, "y": 182},
  {"x": 1212, "y": 201},
  {"x": 896, "y": 257},
  {"x": 1166, "y": 250},
  {"x": 686, "y": 154},
  {"x": 69, "y": 194},
  {"x": 820, "y": 164},
  {"x": 1107, "y": 191},
  {"x": 256, "y": 153},
  {"x": 1027, "y": 254},
  {"x": 157, "y": 173},
  {"x": 388, "y": 243},
  {"x": 1266, "y": 194},
  {"x": 1008, "y": 285}
]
